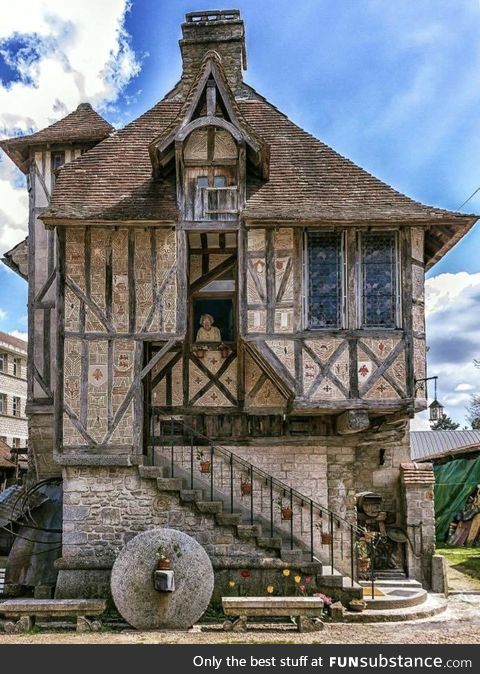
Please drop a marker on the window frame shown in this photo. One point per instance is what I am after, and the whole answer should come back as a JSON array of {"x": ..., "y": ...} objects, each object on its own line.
[
  {"x": 3, "y": 403},
  {"x": 343, "y": 280},
  {"x": 16, "y": 411},
  {"x": 3, "y": 361},
  {"x": 397, "y": 294},
  {"x": 17, "y": 366}
]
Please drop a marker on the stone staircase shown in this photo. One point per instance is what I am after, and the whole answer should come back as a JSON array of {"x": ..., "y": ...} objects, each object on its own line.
[{"x": 252, "y": 545}]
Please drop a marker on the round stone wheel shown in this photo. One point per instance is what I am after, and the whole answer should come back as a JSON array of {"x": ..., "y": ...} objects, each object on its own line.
[{"x": 132, "y": 581}]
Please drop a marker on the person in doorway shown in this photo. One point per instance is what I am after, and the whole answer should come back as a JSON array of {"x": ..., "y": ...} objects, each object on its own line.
[{"x": 207, "y": 332}]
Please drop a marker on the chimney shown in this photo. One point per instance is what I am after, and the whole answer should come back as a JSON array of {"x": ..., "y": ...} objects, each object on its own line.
[{"x": 222, "y": 31}]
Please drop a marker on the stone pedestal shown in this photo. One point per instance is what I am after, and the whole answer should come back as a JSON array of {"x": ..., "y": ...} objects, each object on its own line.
[{"x": 418, "y": 481}]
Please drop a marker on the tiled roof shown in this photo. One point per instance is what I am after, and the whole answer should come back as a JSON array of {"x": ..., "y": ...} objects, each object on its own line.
[
  {"x": 417, "y": 473},
  {"x": 308, "y": 180},
  {"x": 427, "y": 445},
  {"x": 81, "y": 125},
  {"x": 113, "y": 181},
  {"x": 17, "y": 258},
  {"x": 13, "y": 341},
  {"x": 5, "y": 456}
]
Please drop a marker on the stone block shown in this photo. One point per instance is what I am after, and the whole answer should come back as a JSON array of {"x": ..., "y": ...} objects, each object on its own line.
[
  {"x": 439, "y": 575},
  {"x": 75, "y": 512}
]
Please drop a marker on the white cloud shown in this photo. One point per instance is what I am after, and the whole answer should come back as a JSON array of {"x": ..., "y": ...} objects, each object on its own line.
[
  {"x": 64, "y": 52},
  {"x": 19, "y": 335},
  {"x": 420, "y": 423},
  {"x": 464, "y": 387},
  {"x": 3, "y": 314},
  {"x": 453, "y": 335}
]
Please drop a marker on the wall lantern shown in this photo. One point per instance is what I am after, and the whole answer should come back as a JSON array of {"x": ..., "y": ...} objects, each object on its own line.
[{"x": 436, "y": 409}]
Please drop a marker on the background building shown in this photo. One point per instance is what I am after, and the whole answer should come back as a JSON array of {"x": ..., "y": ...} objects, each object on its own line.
[{"x": 13, "y": 390}]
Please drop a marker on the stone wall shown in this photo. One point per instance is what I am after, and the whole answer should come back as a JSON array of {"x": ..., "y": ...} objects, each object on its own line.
[
  {"x": 105, "y": 507},
  {"x": 418, "y": 481}
]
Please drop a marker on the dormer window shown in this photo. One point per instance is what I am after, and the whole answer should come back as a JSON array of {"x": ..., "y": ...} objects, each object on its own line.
[{"x": 210, "y": 158}]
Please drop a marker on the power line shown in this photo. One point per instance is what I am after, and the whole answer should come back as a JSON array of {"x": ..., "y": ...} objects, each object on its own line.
[{"x": 470, "y": 197}]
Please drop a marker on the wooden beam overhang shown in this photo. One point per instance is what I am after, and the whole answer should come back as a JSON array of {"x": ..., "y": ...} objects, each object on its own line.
[
  {"x": 162, "y": 148},
  {"x": 51, "y": 222}
]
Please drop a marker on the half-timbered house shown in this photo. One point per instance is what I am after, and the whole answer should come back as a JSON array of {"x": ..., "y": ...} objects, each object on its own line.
[{"x": 226, "y": 330}]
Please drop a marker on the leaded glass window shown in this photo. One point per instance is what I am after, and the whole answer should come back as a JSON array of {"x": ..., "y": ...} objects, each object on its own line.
[
  {"x": 379, "y": 279},
  {"x": 324, "y": 250}
]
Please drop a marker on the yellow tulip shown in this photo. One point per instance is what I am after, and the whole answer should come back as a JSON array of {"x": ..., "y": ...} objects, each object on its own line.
[
  {"x": 286, "y": 572},
  {"x": 297, "y": 579},
  {"x": 231, "y": 583},
  {"x": 270, "y": 589}
]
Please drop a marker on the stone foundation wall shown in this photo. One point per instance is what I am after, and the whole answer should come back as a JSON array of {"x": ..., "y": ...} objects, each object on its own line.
[{"x": 105, "y": 507}]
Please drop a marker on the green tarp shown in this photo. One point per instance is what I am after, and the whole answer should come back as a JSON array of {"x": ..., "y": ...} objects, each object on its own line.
[{"x": 454, "y": 482}]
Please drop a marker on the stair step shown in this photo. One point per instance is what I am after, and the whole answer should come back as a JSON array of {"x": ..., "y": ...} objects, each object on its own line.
[
  {"x": 312, "y": 568},
  {"x": 249, "y": 530},
  {"x": 210, "y": 507},
  {"x": 151, "y": 472},
  {"x": 265, "y": 542},
  {"x": 170, "y": 483},
  {"x": 191, "y": 495},
  {"x": 335, "y": 579},
  {"x": 229, "y": 519},
  {"x": 292, "y": 556}
]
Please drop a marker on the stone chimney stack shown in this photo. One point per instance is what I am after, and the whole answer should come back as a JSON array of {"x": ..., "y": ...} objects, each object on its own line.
[{"x": 222, "y": 31}]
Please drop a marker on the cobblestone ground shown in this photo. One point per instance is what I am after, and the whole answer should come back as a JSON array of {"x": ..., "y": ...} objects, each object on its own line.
[{"x": 459, "y": 624}]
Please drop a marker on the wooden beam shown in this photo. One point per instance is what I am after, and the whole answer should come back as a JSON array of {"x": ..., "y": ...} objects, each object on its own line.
[{"x": 213, "y": 273}]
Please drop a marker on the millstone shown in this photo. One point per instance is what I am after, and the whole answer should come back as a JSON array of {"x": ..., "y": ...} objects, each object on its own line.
[{"x": 132, "y": 581}]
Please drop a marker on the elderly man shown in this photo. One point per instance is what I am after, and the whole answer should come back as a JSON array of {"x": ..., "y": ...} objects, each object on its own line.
[{"x": 207, "y": 332}]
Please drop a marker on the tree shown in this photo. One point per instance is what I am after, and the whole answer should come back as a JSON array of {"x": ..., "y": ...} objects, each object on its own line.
[
  {"x": 473, "y": 408},
  {"x": 444, "y": 424}
]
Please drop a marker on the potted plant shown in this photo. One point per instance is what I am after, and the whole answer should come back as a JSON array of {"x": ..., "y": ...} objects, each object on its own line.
[
  {"x": 200, "y": 351},
  {"x": 164, "y": 563},
  {"x": 205, "y": 464},
  {"x": 245, "y": 486},
  {"x": 357, "y": 605},
  {"x": 326, "y": 538},
  {"x": 224, "y": 350},
  {"x": 362, "y": 555},
  {"x": 286, "y": 511}
]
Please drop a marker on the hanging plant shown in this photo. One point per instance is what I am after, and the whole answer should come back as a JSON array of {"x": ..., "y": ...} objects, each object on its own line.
[
  {"x": 205, "y": 464},
  {"x": 246, "y": 487}
]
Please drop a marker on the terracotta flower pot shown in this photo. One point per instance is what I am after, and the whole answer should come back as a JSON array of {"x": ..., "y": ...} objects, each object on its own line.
[
  {"x": 326, "y": 538},
  {"x": 224, "y": 351},
  {"x": 357, "y": 605},
  {"x": 204, "y": 466},
  {"x": 200, "y": 353},
  {"x": 363, "y": 564},
  {"x": 287, "y": 513},
  {"x": 246, "y": 488},
  {"x": 164, "y": 565}
]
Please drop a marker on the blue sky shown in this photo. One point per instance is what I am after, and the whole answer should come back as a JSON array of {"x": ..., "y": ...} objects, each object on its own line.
[{"x": 392, "y": 85}]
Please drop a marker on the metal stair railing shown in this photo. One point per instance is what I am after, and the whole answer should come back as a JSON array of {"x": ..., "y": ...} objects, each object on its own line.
[{"x": 298, "y": 517}]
